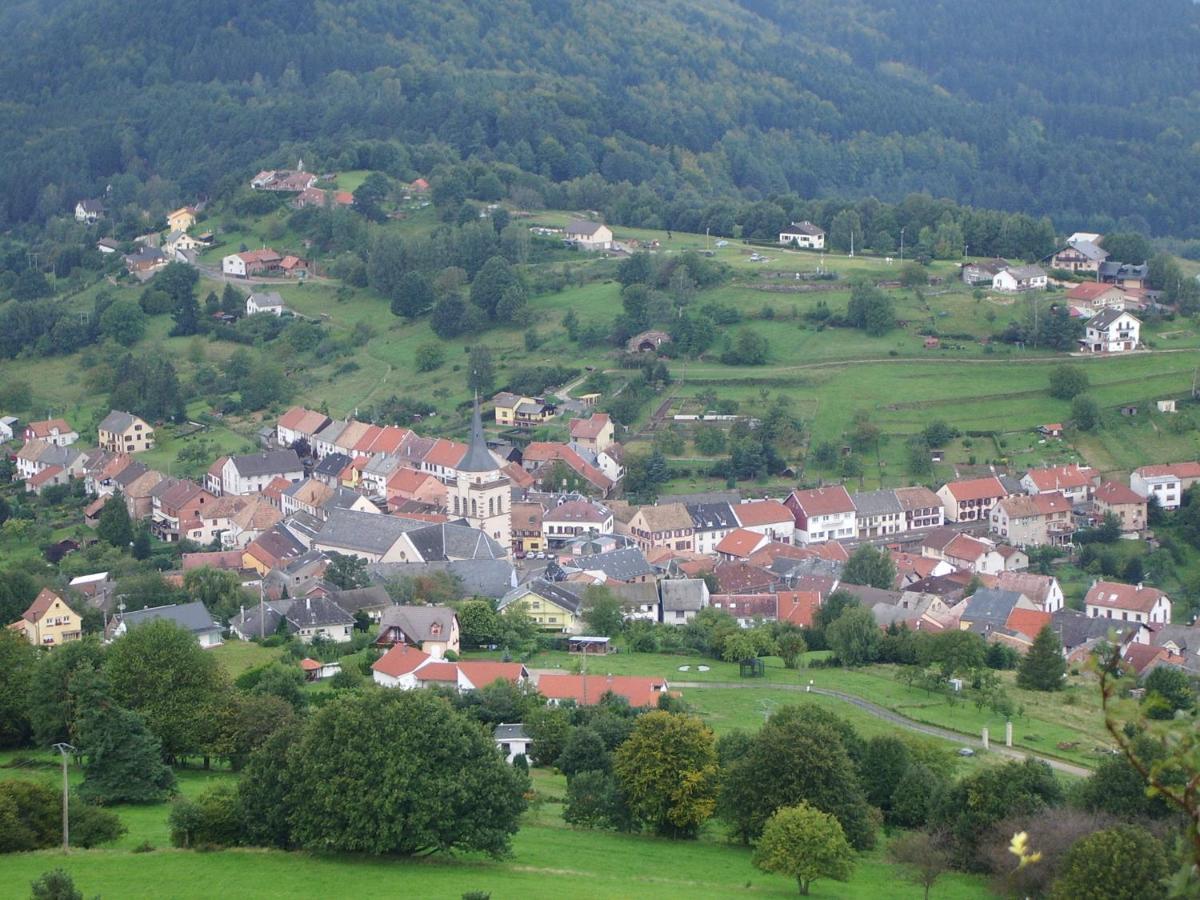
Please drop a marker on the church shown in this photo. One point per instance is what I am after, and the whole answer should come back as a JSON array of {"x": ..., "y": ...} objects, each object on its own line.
[{"x": 482, "y": 494}]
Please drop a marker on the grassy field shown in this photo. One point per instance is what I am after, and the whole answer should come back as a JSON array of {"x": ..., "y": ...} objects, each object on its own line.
[{"x": 549, "y": 860}]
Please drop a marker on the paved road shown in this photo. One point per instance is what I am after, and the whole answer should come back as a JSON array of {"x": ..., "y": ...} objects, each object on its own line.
[{"x": 902, "y": 721}]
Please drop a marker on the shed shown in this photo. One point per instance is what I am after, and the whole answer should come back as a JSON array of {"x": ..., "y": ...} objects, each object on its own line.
[{"x": 590, "y": 645}]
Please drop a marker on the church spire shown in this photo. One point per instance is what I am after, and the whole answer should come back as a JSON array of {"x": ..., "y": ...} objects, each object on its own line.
[{"x": 478, "y": 458}]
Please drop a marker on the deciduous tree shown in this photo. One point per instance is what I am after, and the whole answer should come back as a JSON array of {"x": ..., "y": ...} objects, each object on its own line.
[
  {"x": 1125, "y": 862},
  {"x": 806, "y": 844}
]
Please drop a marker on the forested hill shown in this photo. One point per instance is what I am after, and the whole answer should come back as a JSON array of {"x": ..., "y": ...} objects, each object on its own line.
[{"x": 1087, "y": 113}]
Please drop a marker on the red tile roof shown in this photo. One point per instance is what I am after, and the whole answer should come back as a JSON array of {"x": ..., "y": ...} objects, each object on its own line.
[
  {"x": 797, "y": 607},
  {"x": 47, "y": 428},
  {"x": 483, "y": 672},
  {"x": 740, "y": 543},
  {"x": 1057, "y": 478},
  {"x": 589, "y": 429},
  {"x": 1114, "y": 595},
  {"x": 46, "y": 475},
  {"x": 1027, "y": 621},
  {"x": 823, "y": 501},
  {"x": 446, "y": 453},
  {"x": 762, "y": 512},
  {"x": 1090, "y": 290},
  {"x": 41, "y": 603},
  {"x": 1114, "y": 493},
  {"x": 438, "y": 671},
  {"x": 977, "y": 488},
  {"x": 1179, "y": 470},
  {"x": 735, "y": 577},
  {"x": 400, "y": 660},
  {"x": 309, "y": 665},
  {"x": 588, "y": 689}
]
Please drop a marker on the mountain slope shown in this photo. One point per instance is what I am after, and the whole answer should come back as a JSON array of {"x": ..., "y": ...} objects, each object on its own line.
[{"x": 1089, "y": 117}]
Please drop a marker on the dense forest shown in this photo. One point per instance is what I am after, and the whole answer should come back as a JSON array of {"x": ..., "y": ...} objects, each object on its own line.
[{"x": 1089, "y": 117}]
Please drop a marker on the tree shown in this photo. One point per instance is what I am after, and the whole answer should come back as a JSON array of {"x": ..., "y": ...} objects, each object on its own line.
[
  {"x": 429, "y": 357},
  {"x": 160, "y": 672},
  {"x": 347, "y": 572},
  {"x": 923, "y": 855},
  {"x": 914, "y": 796},
  {"x": 219, "y": 590},
  {"x": 1067, "y": 382},
  {"x": 50, "y": 706},
  {"x": 124, "y": 761},
  {"x": 370, "y": 196},
  {"x": 1173, "y": 686},
  {"x": 805, "y": 844},
  {"x": 481, "y": 371},
  {"x": 285, "y": 682},
  {"x": 233, "y": 302},
  {"x": 386, "y": 263},
  {"x": 870, "y": 309},
  {"x": 18, "y": 661},
  {"x": 123, "y": 322},
  {"x": 549, "y": 727},
  {"x": 1043, "y": 667},
  {"x": 584, "y": 752},
  {"x": 213, "y": 819},
  {"x": 187, "y": 315},
  {"x": 1120, "y": 863},
  {"x": 871, "y": 567},
  {"x": 115, "y": 526},
  {"x": 854, "y": 637},
  {"x": 413, "y": 295},
  {"x": 1117, "y": 788},
  {"x": 791, "y": 646},
  {"x": 667, "y": 772},
  {"x": 447, "y": 789},
  {"x": 749, "y": 348},
  {"x": 56, "y": 884},
  {"x": 801, "y": 754},
  {"x": 247, "y": 721},
  {"x": 602, "y": 611},
  {"x": 885, "y": 760},
  {"x": 496, "y": 276},
  {"x": 593, "y": 801},
  {"x": 478, "y": 623},
  {"x": 1085, "y": 412}
]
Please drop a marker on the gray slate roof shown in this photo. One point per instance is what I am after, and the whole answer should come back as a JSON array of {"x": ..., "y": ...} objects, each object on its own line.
[
  {"x": 1106, "y": 317},
  {"x": 332, "y": 465},
  {"x": 619, "y": 564},
  {"x": 686, "y": 594},
  {"x": 491, "y": 578},
  {"x": 117, "y": 421},
  {"x": 547, "y": 589},
  {"x": 363, "y": 531},
  {"x": 876, "y": 503},
  {"x": 450, "y": 541},
  {"x": 477, "y": 458},
  {"x": 417, "y": 622},
  {"x": 990, "y": 606},
  {"x": 1090, "y": 250},
  {"x": 315, "y": 612},
  {"x": 373, "y": 597},
  {"x": 711, "y": 516},
  {"x": 192, "y": 616},
  {"x": 505, "y": 732},
  {"x": 269, "y": 462},
  {"x": 635, "y": 595},
  {"x": 247, "y": 621}
]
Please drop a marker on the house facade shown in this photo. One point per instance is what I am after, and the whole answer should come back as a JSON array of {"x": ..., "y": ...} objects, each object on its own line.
[
  {"x": 666, "y": 525},
  {"x": 251, "y": 473},
  {"x": 1166, "y": 483},
  {"x": 1033, "y": 520},
  {"x": 1111, "y": 331},
  {"x": 1079, "y": 256},
  {"x": 49, "y": 621},
  {"x": 972, "y": 499},
  {"x": 1127, "y": 603},
  {"x": 1015, "y": 279},
  {"x": 822, "y": 514},
  {"x": 589, "y": 235},
  {"x": 52, "y": 431},
  {"x": 122, "y": 432},
  {"x": 803, "y": 235},
  {"x": 1124, "y": 503}
]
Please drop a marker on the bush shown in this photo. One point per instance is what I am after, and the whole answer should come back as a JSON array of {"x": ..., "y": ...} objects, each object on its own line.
[
  {"x": 214, "y": 819},
  {"x": 31, "y": 819}
]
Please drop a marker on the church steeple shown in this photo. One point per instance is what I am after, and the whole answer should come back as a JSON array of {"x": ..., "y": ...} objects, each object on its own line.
[{"x": 478, "y": 458}]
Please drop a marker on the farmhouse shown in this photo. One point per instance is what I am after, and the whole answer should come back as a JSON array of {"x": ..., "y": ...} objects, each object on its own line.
[
  {"x": 922, "y": 508},
  {"x": 52, "y": 431},
  {"x": 1111, "y": 331},
  {"x": 1079, "y": 256},
  {"x": 984, "y": 271},
  {"x": 1127, "y": 602},
  {"x": 878, "y": 513},
  {"x": 269, "y": 302},
  {"x": 1093, "y": 296},
  {"x": 1019, "y": 278},
  {"x": 804, "y": 235},
  {"x": 1033, "y": 521},
  {"x": 589, "y": 235},
  {"x": 122, "y": 432},
  {"x": 586, "y": 690},
  {"x": 971, "y": 500},
  {"x": 251, "y": 262},
  {"x": 89, "y": 211},
  {"x": 822, "y": 514}
]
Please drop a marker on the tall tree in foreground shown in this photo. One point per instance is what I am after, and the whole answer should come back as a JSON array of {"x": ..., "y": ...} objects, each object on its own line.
[
  {"x": 1043, "y": 667},
  {"x": 805, "y": 844}
]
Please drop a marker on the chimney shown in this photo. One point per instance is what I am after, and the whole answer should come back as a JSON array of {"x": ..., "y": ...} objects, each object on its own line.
[
  {"x": 1139, "y": 585},
  {"x": 307, "y": 603}
]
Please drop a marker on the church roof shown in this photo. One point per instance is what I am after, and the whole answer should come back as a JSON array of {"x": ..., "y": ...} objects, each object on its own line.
[{"x": 478, "y": 458}]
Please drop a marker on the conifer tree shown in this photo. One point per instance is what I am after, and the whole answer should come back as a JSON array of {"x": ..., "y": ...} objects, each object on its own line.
[{"x": 1043, "y": 667}]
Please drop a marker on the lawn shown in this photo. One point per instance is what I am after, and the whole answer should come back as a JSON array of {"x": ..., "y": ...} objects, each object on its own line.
[
  {"x": 237, "y": 656},
  {"x": 549, "y": 860}
]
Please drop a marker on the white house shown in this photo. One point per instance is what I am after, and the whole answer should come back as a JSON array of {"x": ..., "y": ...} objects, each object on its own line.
[
  {"x": 8, "y": 426},
  {"x": 766, "y": 517},
  {"x": 1111, "y": 331},
  {"x": 251, "y": 473},
  {"x": 1166, "y": 483},
  {"x": 265, "y": 302},
  {"x": 192, "y": 616},
  {"x": 1127, "y": 603},
  {"x": 512, "y": 740},
  {"x": 822, "y": 514},
  {"x": 89, "y": 211},
  {"x": 589, "y": 235},
  {"x": 804, "y": 235},
  {"x": 1019, "y": 278}
]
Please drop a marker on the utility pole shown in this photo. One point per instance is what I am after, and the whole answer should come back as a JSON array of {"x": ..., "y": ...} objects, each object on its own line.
[
  {"x": 902, "y": 245},
  {"x": 64, "y": 749}
]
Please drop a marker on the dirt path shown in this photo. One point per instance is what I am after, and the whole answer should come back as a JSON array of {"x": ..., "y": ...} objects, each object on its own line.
[{"x": 902, "y": 721}]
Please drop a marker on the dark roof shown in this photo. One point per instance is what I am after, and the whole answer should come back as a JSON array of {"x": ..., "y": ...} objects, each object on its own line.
[
  {"x": 477, "y": 577},
  {"x": 269, "y": 462},
  {"x": 505, "y": 732},
  {"x": 313, "y": 612},
  {"x": 619, "y": 564},
  {"x": 876, "y": 503},
  {"x": 1111, "y": 269},
  {"x": 192, "y": 616},
  {"x": 990, "y": 606},
  {"x": 583, "y": 226},
  {"x": 1106, "y": 317},
  {"x": 373, "y": 597},
  {"x": 635, "y": 594},
  {"x": 478, "y": 458},
  {"x": 332, "y": 464},
  {"x": 247, "y": 621},
  {"x": 417, "y": 622},
  {"x": 1075, "y": 628},
  {"x": 365, "y": 531},
  {"x": 683, "y": 594},
  {"x": 708, "y": 516},
  {"x": 449, "y": 541},
  {"x": 117, "y": 421},
  {"x": 730, "y": 497},
  {"x": 557, "y": 593}
]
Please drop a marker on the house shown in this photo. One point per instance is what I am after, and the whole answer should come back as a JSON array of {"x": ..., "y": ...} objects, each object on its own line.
[
  {"x": 271, "y": 549},
  {"x": 313, "y": 196},
  {"x": 293, "y": 181},
  {"x": 588, "y": 235},
  {"x": 974, "y": 555},
  {"x": 406, "y": 667},
  {"x": 1127, "y": 505},
  {"x": 52, "y": 431},
  {"x": 1166, "y": 483},
  {"x": 878, "y": 513},
  {"x": 1093, "y": 296},
  {"x": 89, "y": 211},
  {"x": 269, "y": 302},
  {"x": 434, "y": 629},
  {"x": 803, "y": 235},
  {"x": 1073, "y": 481},
  {"x": 971, "y": 500},
  {"x": 984, "y": 271},
  {"x": 639, "y": 601},
  {"x": 108, "y": 245},
  {"x": 518, "y": 411},
  {"x": 251, "y": 262},
  {"x": 1044, "y": 590},
  {"x": 251, "y": 473},
  {"x": 741, "y": 543},
  {"x": 1111, "y": 331},
  {"x": 512, "y": 741},
  {"x": 1124, "y": 275},
  {"x": 711, "y": 523},
  {"x": 299, "y": 424},
  {"x": 748, "y": 609},
  {"x": 539, "y": 458},
  {"x": 181, "y": 219},
  {"x": 398, "y": 666},
  {"x": 176, "y": 507},
  {"x": 766, "y": 517},
  {"x": 1033, "y": 520},
  {"x": 49, "y": 621},
  {"x": 551, "y": 606},
  {"x": 922, "y": 508},
  {"x": 990, "y": 608},
  {"x": 1080, "y": 255},
  {"x": 192, "y": 616},
  {"x": 596, "y": 433},
  {"x": 564, "y": 521},
  {"x": 1127, "y": 602},
  {"x": 627, "y": 565},
  {"x": 293, "y": 267},
  {"x": 9, "y": 428},
  {"x": 122, "y": 432},
  {"x": 586, "y": 690},
  {"x": 1052, "y": 429},
  {"x": 797, "y": 607},
  {"x": 146, "y": 259},
  {"x": 666, "y": 525},
  {"x": 682, "y": 598},
  {"x": 822, "y": 514},
  {"x": 316, "y": 618},
  {"x": 1020, "y": 278},
  {"x": 176, "y": 244}
]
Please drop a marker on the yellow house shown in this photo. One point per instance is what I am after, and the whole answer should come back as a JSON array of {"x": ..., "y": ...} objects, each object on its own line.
[
  {"x": 181, "y": 219},
  {"x": 550, "y": 605},
  {"x": 123, "y": 432},
  {"x": 49, "y": 621},
  {"x": 513, "y": 410}
]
